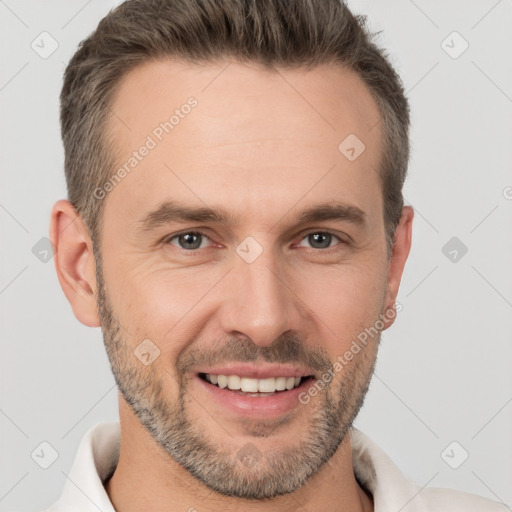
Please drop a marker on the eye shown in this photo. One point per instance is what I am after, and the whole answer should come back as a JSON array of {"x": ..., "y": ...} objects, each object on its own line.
[
  {"x": 321, "y": 239},
  {"x": 194, "y": 240},
  {"x": 190, "y": 240}
]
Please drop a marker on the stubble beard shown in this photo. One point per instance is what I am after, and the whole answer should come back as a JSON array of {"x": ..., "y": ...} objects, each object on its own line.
[{"x": 271, "y": 473}]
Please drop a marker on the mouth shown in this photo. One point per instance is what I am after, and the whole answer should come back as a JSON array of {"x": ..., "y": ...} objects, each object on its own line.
[
  {"x": 254, "y": 391},
  {"x": 253, "y": 387}
]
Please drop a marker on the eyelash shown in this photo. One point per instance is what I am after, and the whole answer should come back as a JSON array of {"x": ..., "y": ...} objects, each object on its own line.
[{"x": 194, "y": 251}]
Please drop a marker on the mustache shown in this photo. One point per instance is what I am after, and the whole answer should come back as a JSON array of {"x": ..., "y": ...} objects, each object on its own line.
[{"x": 285, "y": 349}]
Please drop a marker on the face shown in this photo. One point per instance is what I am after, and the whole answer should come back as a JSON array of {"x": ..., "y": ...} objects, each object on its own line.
[{"x": 243, "y": 243}]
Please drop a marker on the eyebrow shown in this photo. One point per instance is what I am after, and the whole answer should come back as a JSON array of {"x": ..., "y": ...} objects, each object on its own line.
[{"x": 172, "y": 211}]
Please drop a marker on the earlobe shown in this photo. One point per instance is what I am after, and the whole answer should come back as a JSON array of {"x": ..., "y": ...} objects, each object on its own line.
[
  {"x": 74, "y": 261},
  {"x": 400, "y": 252}
]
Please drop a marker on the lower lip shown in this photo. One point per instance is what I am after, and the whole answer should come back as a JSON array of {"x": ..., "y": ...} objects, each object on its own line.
[{"x": 261, "y": 406}]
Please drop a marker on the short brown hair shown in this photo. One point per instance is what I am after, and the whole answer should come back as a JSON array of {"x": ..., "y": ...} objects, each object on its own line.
[{"x": 274, "y": 33}]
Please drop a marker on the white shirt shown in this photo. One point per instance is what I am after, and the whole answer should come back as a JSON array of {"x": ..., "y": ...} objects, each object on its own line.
[{"x": 98, "y": 454}]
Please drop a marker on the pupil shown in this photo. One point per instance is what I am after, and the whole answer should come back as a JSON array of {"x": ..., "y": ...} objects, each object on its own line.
[
  {"x": 188, "y": 238},
  {"x": 319, "y": 236}
]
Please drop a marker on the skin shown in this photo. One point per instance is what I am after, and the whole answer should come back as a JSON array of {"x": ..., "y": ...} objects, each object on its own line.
[{"x": 255, "y": 147}]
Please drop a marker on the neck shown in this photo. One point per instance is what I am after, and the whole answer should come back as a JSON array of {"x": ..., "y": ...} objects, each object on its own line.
[{"x": 147, "y": 478}]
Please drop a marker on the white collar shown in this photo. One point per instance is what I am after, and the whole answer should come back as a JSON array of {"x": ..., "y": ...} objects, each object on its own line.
[{"x": 98, "y": 454}]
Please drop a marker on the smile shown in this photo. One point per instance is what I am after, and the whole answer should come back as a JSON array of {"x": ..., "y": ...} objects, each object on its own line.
[{"x": 265, "y": 386}]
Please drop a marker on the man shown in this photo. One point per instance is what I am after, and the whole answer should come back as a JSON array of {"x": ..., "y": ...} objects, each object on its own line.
[{"x": 235, "y": 222}]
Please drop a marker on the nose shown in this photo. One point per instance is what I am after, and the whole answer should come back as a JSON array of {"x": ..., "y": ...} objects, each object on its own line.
[{"x": 261, "y": 302}]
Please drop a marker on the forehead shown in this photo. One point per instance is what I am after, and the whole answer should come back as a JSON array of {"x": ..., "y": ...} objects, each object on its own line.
[{"x": 253, "y": 139}]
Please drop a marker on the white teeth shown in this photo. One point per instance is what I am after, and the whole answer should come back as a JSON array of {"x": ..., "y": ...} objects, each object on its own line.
[
  {"x": 249, "y": 385},
  {"x": 234, "y": 382},
  {"x": 268, "y": 385},
  {"x": 281, "y": 383},
  {"x": 222, "y": 381}
]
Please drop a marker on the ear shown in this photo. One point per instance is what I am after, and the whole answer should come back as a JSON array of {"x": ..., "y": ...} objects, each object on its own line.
[
  {"x": 74, "y": 261},
  {"x": 400, "y": 251}
]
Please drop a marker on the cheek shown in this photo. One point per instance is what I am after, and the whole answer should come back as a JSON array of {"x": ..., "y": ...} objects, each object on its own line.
[
  {"x": 344, "y": 301},
  {"x": 160, "y": 304}
]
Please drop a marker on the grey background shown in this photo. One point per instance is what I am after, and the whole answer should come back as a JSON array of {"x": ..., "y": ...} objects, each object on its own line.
[{"x": 443, "y": 372}]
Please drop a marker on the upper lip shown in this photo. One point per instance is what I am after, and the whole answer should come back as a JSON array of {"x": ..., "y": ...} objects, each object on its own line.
[{"x": 252, "y": 371}]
